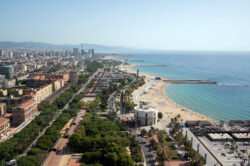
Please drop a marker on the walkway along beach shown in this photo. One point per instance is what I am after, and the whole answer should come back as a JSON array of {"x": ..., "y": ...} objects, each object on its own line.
[{"x": 156, "y": 96}]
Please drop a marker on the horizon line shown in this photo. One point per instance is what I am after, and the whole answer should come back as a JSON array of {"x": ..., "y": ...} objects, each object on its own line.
[{"x": 128, "y": 47}]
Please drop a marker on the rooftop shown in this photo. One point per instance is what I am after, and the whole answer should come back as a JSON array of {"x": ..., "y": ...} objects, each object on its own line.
[
  {"x": 3, "y": 120},
  {"x": 146, "y": 109},
  {"x": 219, "y": 136},
  {"x": 26, "y": 104}
]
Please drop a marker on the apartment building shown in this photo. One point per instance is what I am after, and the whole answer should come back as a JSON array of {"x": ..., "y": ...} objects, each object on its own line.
[
  {"x": 3, "y": 109},
  {"x": 73, "y": 76},
  {"x": 43, "y": 93},
  {"x": 4, "y": 126},
  {"x": 26, "y": 111}
]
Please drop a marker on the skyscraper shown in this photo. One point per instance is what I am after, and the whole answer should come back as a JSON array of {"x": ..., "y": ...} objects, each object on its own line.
[
  {"x": 75, "y": 51},
  {"x": 82, "y": 51},
  {"x": 1, "y": 53},
  {"x": 91, "y": 53}
]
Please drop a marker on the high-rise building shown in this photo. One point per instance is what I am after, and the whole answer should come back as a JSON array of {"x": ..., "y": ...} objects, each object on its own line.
[
  {"x": 66, "y": 53},
  {"x": 82, "y": 52},
  {"x": 73, "y": 77},
  {"x": 8, "y": 71},
  {"x": 25, "y": 111},
  {"x": 91, "y": 52},
  {"x": 1, "y": 53},
  {"x": 75, "y": 51}
]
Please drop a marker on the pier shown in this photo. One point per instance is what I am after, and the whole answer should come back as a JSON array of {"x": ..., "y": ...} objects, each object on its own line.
[{"x": 189, "y": 81}]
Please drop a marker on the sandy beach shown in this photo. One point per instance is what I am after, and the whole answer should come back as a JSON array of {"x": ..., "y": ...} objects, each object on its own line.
[{"x": 157, "y": 97}]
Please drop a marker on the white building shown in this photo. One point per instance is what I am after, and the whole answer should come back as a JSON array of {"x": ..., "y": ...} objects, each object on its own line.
[{"x": 146, "y": 116}]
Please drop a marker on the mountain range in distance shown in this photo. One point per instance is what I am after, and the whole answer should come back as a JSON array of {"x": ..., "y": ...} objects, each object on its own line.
[
  {"x": 86, "y": 46},
  {"x": 103, "y": 48}
]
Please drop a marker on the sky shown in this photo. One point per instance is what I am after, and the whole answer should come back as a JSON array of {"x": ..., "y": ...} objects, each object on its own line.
[{"x": 146, "y": 24}]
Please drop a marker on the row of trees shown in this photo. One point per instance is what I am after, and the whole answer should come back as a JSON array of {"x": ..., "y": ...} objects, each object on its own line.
[
  {"x": 19, "y": 143},
  {"x": 53, "y": 133},
  {"x": 23, "y": 139},
  {"x": 104, "y": 141},
  {"x": 46, "y": 142},
  {"x": 190, "y": 154}
]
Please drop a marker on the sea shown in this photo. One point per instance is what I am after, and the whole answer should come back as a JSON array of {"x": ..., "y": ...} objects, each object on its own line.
[{"x": 229, "y": 99}]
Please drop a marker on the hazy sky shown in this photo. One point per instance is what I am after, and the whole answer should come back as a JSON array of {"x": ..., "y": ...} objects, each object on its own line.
[{"x": 151, "y": 24}]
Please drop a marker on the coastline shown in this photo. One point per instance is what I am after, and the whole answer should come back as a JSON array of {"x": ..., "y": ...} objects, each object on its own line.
[{"x": 157, "y": 97}]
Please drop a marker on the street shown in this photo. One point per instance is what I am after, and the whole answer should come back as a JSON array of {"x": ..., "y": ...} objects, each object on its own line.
[
  {"x": 57, "y": 115},
  {"x": 147, "y": 149}
]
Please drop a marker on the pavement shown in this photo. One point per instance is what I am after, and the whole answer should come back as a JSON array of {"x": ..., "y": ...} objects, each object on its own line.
[
  {"x": 147, "y": 149},
  {"x": 197, "y": 146}
]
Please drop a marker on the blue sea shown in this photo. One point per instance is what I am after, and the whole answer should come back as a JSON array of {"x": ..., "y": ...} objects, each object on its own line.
[{"x": 229, "y": 99}]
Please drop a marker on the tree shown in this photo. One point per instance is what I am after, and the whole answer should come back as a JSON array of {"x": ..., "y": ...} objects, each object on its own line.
[
  {"x": 125, "y": 160},
  {"x": 160, "y": 115},
  {"x": 153, "y": 144},
  {"x": 27, "y": 161},
  {"x": 92, "y": 157},
  {"x": 111, "y": 158},
  {"x": 143, "y": 132}
]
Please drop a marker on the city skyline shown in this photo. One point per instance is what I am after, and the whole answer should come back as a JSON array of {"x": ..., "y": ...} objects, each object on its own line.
[{"x": 159, "y": 25}]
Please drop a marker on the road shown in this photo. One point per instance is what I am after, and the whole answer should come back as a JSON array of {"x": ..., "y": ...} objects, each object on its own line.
[
  {"x": 147, "y": 149},
  {"x": 57, "y": 115},
  {"x": 53, "y": 158},
  {"x": 111, "y": 99}
]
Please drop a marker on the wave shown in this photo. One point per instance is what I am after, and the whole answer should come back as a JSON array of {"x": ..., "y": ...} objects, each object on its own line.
[{"x": 233, "y": 85}]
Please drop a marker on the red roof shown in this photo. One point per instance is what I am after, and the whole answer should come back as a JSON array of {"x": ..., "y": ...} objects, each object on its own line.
[
  {"x": 3, "y": 120},
  {"x": 27, "y": 104}
]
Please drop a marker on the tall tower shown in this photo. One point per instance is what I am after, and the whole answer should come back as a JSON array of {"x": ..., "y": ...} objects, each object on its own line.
[
  {"x": 82, "y": 50},
  {"x": 1, "y": 53},
  {"x": 137, "y": 74}
]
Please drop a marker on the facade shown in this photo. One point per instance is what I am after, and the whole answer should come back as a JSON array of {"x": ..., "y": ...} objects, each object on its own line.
[
  {"x": 16, "y": 92},
  {"x": 82, "y": 52},
  {"x": 73, "y": 77},
  {"x": 1, "y": 53},
  {"x": 56, "y": 85},
  {"x": 11, "y": 100},
  {"x": 75, "y": 51},
  {"x": 43, "y": 93},
  {"x": 25, "y": 111},
  {"x": 4, "y": 126},
  {"x": 3, "y": 92},
  {"x": 7, "y": 70},
  {"x": 91, "y": 51},
  {"x": 3, "y": 109},
  {"x": 146, "y": 116},
  {"x": 9, "y": 83},
  {"x": 64, "y": 76}
]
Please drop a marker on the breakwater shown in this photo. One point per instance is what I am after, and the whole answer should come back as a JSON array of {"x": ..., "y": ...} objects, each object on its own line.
[
  {"x": 150, "y": 65},
  {"x": 189, "y": 81}
]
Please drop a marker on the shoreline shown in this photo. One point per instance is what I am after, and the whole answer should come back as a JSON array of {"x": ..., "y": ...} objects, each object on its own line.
[{"x": 157, "y": 97}]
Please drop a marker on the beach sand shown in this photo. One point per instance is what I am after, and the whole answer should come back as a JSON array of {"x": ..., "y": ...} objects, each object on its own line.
[{"x": 157, "y": 97}]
